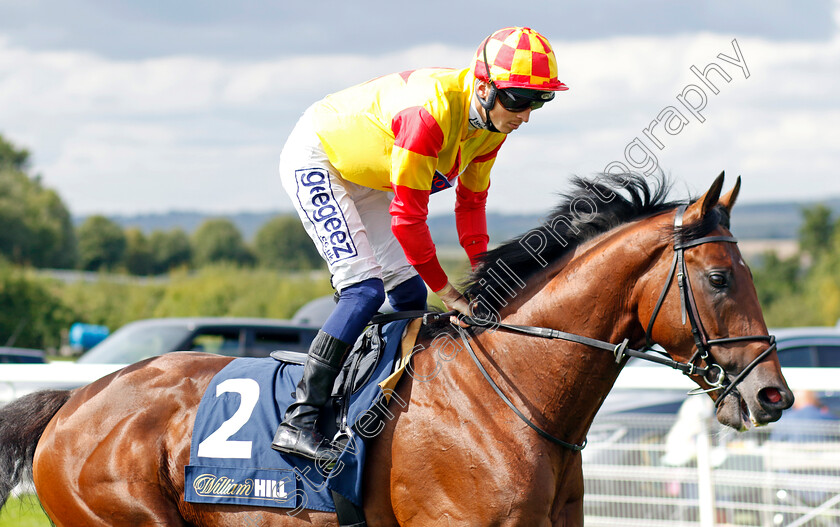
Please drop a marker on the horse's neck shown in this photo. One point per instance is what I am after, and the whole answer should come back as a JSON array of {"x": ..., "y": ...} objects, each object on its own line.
[{"x": 590, "y": 295}]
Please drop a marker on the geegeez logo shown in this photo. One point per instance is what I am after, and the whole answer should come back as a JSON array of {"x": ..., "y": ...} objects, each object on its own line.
[{"x": 316, "y": 198}]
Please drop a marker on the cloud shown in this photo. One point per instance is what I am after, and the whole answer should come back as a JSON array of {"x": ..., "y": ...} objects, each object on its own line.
[
  {"x": 175, "y": 132},
  {"x": 776, "y": 127},
  {"x": 267, "y": 29},
  {"x": 193, "y": 132}
]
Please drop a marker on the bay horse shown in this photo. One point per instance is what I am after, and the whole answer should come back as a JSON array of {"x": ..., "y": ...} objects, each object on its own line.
[{"x": 612, "y": 264}]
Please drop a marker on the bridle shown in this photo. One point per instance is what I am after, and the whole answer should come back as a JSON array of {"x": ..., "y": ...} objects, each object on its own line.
[
  {"x": 688, "y": 306},
  {"x": 712, "y": 373}
]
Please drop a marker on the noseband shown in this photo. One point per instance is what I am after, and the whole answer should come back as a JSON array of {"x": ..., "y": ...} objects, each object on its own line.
[{"x": 712, "y": 373}]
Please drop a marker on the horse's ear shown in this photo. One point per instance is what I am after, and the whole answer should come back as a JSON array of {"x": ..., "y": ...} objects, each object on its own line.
[
  {"x": 702, "y": 206},
  {"x": 728, "y": 199}
]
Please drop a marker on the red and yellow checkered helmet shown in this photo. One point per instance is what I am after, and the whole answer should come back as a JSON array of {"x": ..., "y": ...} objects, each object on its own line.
[{"x": 517, "y": 57}]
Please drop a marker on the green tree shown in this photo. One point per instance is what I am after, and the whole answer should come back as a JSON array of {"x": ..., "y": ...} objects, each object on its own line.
[
  {"x": 12, "y": 156},
  {"x": 777, "y": 279},
  {"x": 816, "y": 230},
  {"x": 102, "y": 244},
  {"x": 170, "y": 250},
  {"x": 228, "y": 290},
  {"x": 35, "y": 226},
  {"x": 111, "y": 303},
  {"x": 14, "y": 231},
  {"x": 822, "y": 287},
  {"x": 793, "y": 294},
  {"x": 53, "y": 233},
  {"x": 282, "y": 243},
  {"x": 138, "y": 257},
  {"x": 30, "y": 316},
  {"x": 217, "y": 240}
]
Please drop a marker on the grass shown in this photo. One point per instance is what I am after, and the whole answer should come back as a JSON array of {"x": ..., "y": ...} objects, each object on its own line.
[{"x": 23, "y": 511}]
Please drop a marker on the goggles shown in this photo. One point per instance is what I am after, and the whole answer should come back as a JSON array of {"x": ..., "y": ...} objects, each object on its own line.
[{"x": 520, "y": 99}]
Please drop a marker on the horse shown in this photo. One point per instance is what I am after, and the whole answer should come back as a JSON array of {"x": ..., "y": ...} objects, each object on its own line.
[{"x": 489, "y": 437}]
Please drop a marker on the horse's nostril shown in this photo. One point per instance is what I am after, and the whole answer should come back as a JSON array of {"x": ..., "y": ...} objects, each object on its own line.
[{"x": 771, "y": 395}]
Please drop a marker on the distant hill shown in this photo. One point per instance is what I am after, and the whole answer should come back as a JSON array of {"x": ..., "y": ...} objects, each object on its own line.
[
  {"x": 501, "y": 226},
  {"x": 773, "y": 220},
  {"x": 751, "y": 221},
  {"x": 248, "y": 223}
]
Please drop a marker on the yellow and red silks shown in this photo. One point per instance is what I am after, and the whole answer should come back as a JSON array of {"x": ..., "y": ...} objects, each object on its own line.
[{"x": 395, "y": 133}]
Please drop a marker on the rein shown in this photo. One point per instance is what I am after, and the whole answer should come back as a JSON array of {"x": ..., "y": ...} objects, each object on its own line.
[{"x": 713, "y": 373}]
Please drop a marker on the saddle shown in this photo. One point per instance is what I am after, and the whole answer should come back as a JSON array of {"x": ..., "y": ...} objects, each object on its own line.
[
  {"x": 357, "y": 370},
  {"x": 237, "y": 466}
]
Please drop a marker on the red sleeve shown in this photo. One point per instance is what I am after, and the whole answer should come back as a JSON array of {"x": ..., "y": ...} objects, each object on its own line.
[
  {"x": 409, "y": 210},
  {"x": 471, "y": 221}
]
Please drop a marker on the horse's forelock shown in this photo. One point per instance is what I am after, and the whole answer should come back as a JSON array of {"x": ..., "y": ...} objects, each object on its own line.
[{"x": 699, "y": 228}]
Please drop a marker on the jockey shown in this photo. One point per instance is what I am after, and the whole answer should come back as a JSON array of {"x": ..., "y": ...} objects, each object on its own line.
[{"x": 359, "y": 167}]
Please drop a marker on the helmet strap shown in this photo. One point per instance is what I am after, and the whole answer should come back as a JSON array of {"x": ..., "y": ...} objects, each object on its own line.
[
  {"x": 487, "y": 104},
  {"x": 490, "y": 101}
]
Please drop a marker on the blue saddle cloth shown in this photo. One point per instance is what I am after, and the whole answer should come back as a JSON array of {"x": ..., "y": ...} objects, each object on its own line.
[{"x": 231, "y": 460}]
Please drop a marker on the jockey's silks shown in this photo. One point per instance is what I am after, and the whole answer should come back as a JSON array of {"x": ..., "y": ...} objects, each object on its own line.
[{"x": 395, "y": 133}]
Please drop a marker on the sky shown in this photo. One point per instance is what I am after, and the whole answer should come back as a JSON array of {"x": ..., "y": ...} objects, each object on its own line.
[{"x": 141, "y": 107}]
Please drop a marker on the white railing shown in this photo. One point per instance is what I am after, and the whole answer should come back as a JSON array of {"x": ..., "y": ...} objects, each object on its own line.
[
  {"x": 56, "y": 372},
  {"x": 646, "y": 378},
  {"x": 653, "y": 470},
  {"x": 749, "y": 479},
  {"x": 19, "y": 379}
]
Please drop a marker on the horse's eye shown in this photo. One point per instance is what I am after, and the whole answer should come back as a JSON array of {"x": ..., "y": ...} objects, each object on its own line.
[{"x": 718, "y": 280}]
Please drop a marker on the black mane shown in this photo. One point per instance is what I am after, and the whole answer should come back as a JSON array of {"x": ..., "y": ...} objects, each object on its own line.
[{"x": 592, "y": 208}]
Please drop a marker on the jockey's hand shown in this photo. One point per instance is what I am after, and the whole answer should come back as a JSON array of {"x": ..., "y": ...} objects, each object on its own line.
[{"x": 454, "y": 301}]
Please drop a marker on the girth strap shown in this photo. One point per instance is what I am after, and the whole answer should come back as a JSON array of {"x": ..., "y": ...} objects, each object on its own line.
[{"x": 348, "y": 513}]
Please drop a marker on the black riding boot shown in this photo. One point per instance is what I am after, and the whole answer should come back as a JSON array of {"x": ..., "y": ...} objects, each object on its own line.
[{"x": 298, "y": 434}]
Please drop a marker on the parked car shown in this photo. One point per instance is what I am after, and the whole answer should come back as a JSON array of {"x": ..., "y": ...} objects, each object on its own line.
[
  {"x": 234, "y": 337},
  {"x": 644, "y": 446},
  {"x": 11, "y": 358},
  {"x": 230, "y": 336},
  {"x": 10, "y": 355},
  {"x": 809, "y": 347},
  {"x": 616, "y": 422},
  {"x": 802, "y": 347}
]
